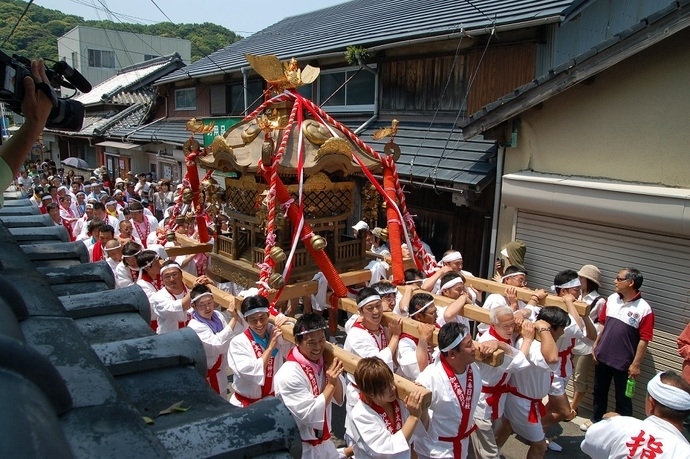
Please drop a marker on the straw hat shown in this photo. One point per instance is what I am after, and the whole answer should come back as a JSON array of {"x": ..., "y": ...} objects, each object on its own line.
[{"x": 590, "y": 272}]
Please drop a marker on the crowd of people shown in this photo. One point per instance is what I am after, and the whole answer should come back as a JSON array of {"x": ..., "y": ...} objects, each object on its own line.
[{"x": 473, "y": 405}]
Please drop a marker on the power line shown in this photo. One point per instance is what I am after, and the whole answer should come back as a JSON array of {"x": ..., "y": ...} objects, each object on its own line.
[{"x": 18, "y": 21}]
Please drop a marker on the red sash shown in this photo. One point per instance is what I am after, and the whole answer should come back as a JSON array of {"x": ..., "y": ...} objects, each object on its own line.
[
  {"x": 266, "y": 389},
  {"x": 536, "y": 408},
  {"x": 495, "y": 393},
  {"x": 98, "y": 252},
  {"x": 465, "y": 402},
  {"x": 326, "y": 434},
  {"x": 384, "y": 341},
  {"x": 211, "y": 375},
  {"x": 147, "y": 228},
  {"x": 68, "y": 227},
  {"x": 494, "y": 333},
  {"x": 564, "y": 354},
  {"x": 156, "y": 284},
  {"x": 386, "y": 419}
]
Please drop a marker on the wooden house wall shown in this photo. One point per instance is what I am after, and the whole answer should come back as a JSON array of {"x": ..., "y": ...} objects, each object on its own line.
[
  {"x": 203, "y": 104},
  {"x": 415, "y": 85},
  {"x": 501, "y": 71}
]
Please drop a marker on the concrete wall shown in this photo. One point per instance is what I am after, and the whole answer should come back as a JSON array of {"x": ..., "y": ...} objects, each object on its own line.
[
  {"x": 129, "y": 49},
  {"x": 630, "y": 124}
]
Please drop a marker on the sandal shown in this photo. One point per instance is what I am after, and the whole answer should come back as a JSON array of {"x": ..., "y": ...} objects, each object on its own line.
[{"x": 573, "y": 415}]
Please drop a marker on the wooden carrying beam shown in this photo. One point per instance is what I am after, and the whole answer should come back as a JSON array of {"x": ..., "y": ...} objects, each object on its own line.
[
  {"x": 409, "y": 326},
  {"x": 350, "y": 361},
  {"x": 227, "y": 301},
  {"x": 523, "y": 293},
  {"x": 188, "y": 250}
]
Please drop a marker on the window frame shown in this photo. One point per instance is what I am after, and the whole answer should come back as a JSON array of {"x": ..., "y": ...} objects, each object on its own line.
[
  {"x": 97, "y": 63},
  {"x": 185, "y": 90},
  {"x": 347, "y": 108}
]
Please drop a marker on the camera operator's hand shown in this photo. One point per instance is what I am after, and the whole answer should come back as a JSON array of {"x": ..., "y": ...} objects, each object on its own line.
[
  {"x": 36, "y": 105},
  {"x": 36, "y": 108}
]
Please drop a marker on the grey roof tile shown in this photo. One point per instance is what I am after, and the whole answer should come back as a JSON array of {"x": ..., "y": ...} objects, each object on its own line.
[
  {"x": 369, "y": 23},
  {"x": 439, "y": 153}
]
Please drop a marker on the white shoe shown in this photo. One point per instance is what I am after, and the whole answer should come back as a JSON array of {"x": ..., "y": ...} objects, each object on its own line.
[
  {"x": 585, "y": 425},
  {"x": 553, "y": 446}
]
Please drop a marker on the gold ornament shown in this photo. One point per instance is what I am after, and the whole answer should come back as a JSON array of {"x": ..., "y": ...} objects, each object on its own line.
[
  {"x": 277, "y": 254},
  {"x": 389, "y": 131},
  {"x": 187, "y": 196},
  {"x": 267, "y": 152},
  {"x": 197, "y": 127},
  {"x": 335, "y": 146},
  {"x": 318, "y": 242},
  {"x": 315, "y": 132},
  {"x": 276, "y": 281},
  {"x": 282, "y": 76},
  {"x": 392, "y": 149},
  {"x": 250, "y": 132}
]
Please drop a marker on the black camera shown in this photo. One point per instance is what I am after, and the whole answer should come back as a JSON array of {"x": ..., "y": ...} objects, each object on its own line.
[{"x": 66, "y": 114}]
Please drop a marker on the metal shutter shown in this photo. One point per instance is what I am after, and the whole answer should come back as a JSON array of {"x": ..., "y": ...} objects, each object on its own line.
[{"x": 556, "y": 243}]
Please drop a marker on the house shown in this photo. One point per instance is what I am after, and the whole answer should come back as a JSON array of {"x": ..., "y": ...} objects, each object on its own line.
[
  {"x": 99, "y": 54},
  {"x": 122, "y": 101},
  {"x": 597, "y": 172},
  {"x": 427, "y": 64}
]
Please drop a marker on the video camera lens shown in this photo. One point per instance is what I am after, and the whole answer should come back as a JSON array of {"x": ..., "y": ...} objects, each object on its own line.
[{"x": 68, "y": 115}]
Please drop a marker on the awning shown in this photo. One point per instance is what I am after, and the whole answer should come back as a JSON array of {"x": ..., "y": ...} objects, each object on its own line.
[
  {"x": 438, "y": 155},
  {"x": 120, "y": 145}
]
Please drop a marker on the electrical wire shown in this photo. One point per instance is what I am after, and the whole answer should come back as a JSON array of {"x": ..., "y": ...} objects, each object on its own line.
[
  {"x": 17, "y": 23},
  {"x": 434, "y": 172}
]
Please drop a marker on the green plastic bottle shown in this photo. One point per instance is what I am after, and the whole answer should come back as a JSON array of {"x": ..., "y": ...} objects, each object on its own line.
[{"x": 630, "y": 388}]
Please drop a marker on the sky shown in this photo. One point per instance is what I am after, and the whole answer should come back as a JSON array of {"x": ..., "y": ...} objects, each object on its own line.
[{"x": 237, "y": 16}]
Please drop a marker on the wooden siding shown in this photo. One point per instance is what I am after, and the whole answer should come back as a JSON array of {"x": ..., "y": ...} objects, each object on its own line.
[
  {"x": 501, "y": 71},
  {"x": 416, "y": 84}
]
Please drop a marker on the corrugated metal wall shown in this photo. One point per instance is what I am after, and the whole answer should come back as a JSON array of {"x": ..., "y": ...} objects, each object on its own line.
[{"x": 555, "y": 243}]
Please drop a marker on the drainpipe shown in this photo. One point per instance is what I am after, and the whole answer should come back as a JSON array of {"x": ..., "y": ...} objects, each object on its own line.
[
  {"x": 497, "y": 203},
  {"x": 245, "y": 75}
]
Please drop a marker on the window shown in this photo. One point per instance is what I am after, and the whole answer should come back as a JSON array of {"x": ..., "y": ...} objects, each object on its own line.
[
  {"x": 185, "y": 99},
  {"x": 148, "y": 57},
  {"x": 255, "y": 90},
  {"x": 101, "y": 59},
  {"x": 357, "y": 95}
]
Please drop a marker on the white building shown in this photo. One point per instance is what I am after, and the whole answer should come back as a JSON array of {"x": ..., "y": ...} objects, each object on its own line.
[{"x": 98, "y": 53}]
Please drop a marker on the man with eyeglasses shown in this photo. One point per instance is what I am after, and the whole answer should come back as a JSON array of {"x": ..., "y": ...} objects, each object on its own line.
[
  {"x": 172, "y": 303},
  {"x": 627, "y": 323}
]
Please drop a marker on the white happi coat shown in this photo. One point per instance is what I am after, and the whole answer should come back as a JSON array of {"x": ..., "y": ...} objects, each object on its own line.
[
  {"x": 292, "y": 387},
  {"x": 624, "y": 436},
  {"x": 123, "y": 276},
  {"x": 168, "y": 310},
  {"x": 533, "y": 381},
  {"x": 248, "y": 370},
  {"x": 372, "y": 439},
  {"x": 444, "y": 412},
  {"x": 406, "y": 356},
  {"x": 360, "y": 342},
  {"x": 565, "y": 347},
  {"x": 513, "y": 361},
  {"x": 216, "y": 344}
]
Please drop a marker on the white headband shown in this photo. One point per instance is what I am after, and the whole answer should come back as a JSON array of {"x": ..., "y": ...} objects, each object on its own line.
[
  {"x": 386, "y": 290},
  {"x": 453, "y": 256},
  {"x": 255, "y": 311},
  {"x": 150, "y": 263},
  {"x": 367, "y": 300},
  {"x": 170, "y": 266},
  {"x": 668, "y": 395},
  {"x": 115, "y": 248},
  {"x": 416, "y": 281},
  {"x": 198, "y": 297},
  {"x": 311, "y": 330},
  {"x": 422, "y": 308},
  {"x": 455, "y": 342},
  {"x": 452, "y": 283},
  {"x": 512, "y": 275},
  {"x": 132, "y": 255},
  {"x": 573, "y": 283}
]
